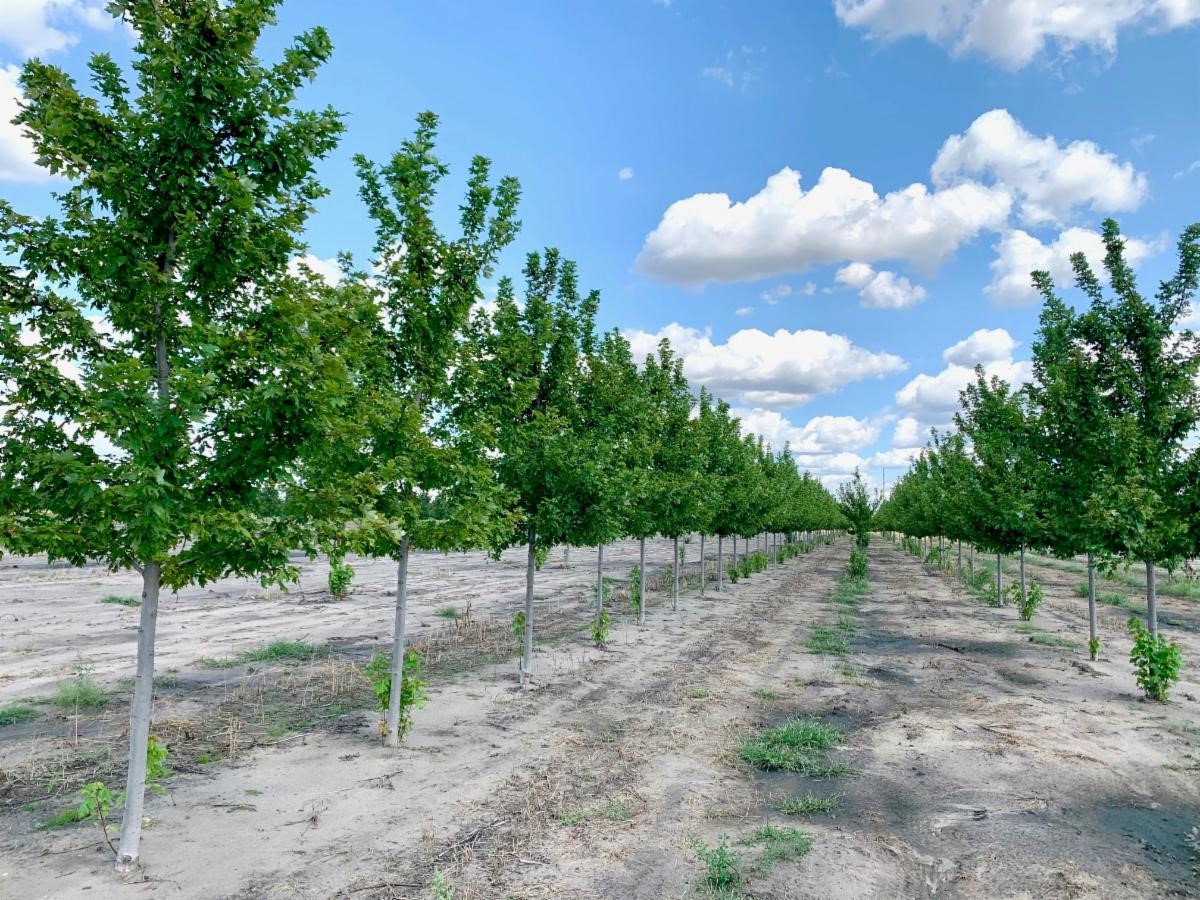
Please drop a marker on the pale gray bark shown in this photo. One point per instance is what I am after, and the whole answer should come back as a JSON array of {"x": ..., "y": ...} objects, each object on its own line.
[
  {"x": 720, "y": 562},
  {"x": 1151, "y": 599},
  {"x": 599, "y": 583},
  {"x": 960, "y": 556},
  {"x": 999, "y": 580},
  {"x": 675, "y": 573},
  {"x": 1092, "y": 631},
  {"x": 139, "y": 720},
  {"x": 530, "y": 567},
  {"x": 702, "y": 572},
  {"x": 1022, "y": 575},
  {"x": 398, "y": 636},
  {"x": 642, "y": 581}
]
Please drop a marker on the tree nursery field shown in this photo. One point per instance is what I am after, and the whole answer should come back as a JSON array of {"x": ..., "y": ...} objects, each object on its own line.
[
  {"x": 413, "y": 574},
  {"x": 950, "y": 749}
]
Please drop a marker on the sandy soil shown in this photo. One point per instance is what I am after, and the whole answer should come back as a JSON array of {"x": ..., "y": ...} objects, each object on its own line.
[{"x": 984, "y": 764}]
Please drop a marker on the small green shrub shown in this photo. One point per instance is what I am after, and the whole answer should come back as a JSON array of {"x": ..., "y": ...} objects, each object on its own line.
[
  {"x": 116, "y": 600},
  {"x": 518, "y": 628},
  {"x": 1156, "y": 662},
  {"x": 16, "y": 713},
  {"x": 734, "y": 573},
  {"x": 600, "y": 629},
  {"x": 447, "y": 612},
  {"x": 412, "y": 688},
  {"x": 857, "y": 567},
  {"x": 826, "y": 639},
  {"x": 1033, "y": 599},
  {"x": 441, "y": 886},
  {"x": 282, "y": 651},
  {"x": 341, "y": 574},
  {"x": 1093, "y": 648},
  {"x": 635, "y": 588},
  {"x": 722, "y": 866}
]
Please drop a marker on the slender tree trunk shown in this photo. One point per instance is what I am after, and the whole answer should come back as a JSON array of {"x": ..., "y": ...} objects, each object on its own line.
[
  {"x": 139, "y": 721},
  {"x": 1092, "y": 632},
  {"x": 972, "y": 562},
  {"x": 398, "y": 635},
  {"x": 1151, "y": 599},
  {"x": 735, "y": 559},
  {"x": 642, "y": 581},
  {"x": 702, "y": 573},
  {"x": 1022, "y": 575},
  {"x": 720, "y": 562},
  {"x": 530, "y": 567},
  {"x": 567, "y": 556},
  {"x": 599, "y": 583},
  {"x": 675, "y": 574},
  {"x": 999, "y": 580},
  {"x": 960, "y": 556}
]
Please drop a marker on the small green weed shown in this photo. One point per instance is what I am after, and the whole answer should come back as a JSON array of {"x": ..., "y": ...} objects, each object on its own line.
[
  {"x": 413, "y": 695},
  {"x": 857, "y": 567},
  {"x": 79, "y": 693},
  {"x": 441, "y": 886},
  {"x": 809, "y": 804},
  {"x": 779, "y": 845},
  {"x": 117, "y": 600},
  {"x": 827, "y": 639},
  {"x": 518, "y": 628},
  {"x": 282, "y": 651},
  {"x": 635, "y": 588},
  {"x": 765, "y": 694},
  {"x": 1093, "y": 648},
  {"x": 16, "y": 713},
  {"x": 601, "y": 626},
  {"x": 1033, "y": 599},
  {"x": 722, "y": 866},
  {"x": 1050, "y": 640},
  {"x": 447, "y": 612}
]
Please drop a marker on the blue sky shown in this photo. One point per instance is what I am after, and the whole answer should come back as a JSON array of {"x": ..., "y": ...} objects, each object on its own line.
[{"x": 830, "y": 206}]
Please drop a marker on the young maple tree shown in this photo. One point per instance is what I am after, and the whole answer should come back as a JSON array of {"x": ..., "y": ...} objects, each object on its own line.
[{"x": 159, "y": 364}]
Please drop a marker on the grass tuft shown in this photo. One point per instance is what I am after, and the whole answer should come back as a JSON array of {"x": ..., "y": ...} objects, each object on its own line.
[
  {"x": 16, "y": 713},
  {"x": 1050, "y": 640},
  {"x": 447, "y": 612},
  {"x": 779, "y": 845},
  {"x": 117, "y": 600},
  {"x": 798, "y": 745},
  {"x": 274, "y": 652},
  {"x": 80, "y": 693},
  {"x": 827, "y": 639},
  {"x": 808, "y": 804}
]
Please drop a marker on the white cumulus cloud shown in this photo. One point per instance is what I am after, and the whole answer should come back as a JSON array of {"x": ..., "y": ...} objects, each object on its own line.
[
  {"x": 1013, "y": 33},
  {"x": 1050, "y": 179},
  {"x": 784, "y": 228},
  {"x": 880, "y": 290},
  {"x": 985, "y": 345},
  {"x": 625, "y": 174},
  {"x": 819, "y": 435},
  {"x": 18, "y": 162},
  {"x": 1019, "y": 253},
  {"x": 37, "y": 27},
  {"x": 769, "y": 371}
]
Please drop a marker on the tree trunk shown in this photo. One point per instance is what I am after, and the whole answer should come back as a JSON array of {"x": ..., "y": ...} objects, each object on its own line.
[
  {"x": 971, "y": 564},
  {"x": 599, "y": 584},
  {"x": 139, "y": 721},
  {"x": 720, "y": 561},
  {"x": 960, "y": 556},
  {"x": 675, "y": 573},
  {"x": 702, "y": 564},
  {"x": 1092, "y": 631},
  {"x": 735, "y": 560},
  {"x": 642, "y": 581},
  {"x": 567, "y": 556},
  {"x": 530, "y": 566},
  {"x": 398, "y": 635},
  {"x": 1022, "y": 575},
  {"x": 1151, "y": 599},
  {"x": 999, "y": 580}
]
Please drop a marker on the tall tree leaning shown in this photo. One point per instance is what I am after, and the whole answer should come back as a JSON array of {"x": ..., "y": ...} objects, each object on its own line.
[{"x": 162, "y": 364}]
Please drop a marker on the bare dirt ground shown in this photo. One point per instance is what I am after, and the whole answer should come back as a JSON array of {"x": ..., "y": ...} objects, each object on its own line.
[{"x": 983, "y": 763}]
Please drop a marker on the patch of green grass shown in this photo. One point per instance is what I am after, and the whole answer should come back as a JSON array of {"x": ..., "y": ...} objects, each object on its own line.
[
  {"x": 1051, "y": 640},
  {"x": 849, "y": 589},
  {"x": 779, "y": 845},
  {"x": 447, "y": 612},
  {"x": 79, "y": 693},
  {"x": 827, "y": 639},
  {"x": 614, "y": 811},
  {"x": 65, "y": 818},
  {"x": 699, "y": 694},
  {"x": 274, "y": 652},
  {"x": 847, "y": 624},
  {"x": 765, "y": 694},
  {"x": 1026, "y": 628},
  {"x": 16, "y": 713},
  {"x": 117, "y": 600},
  {"x": 808, "y": 804},
  {"x": 798, "y": 745}
]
